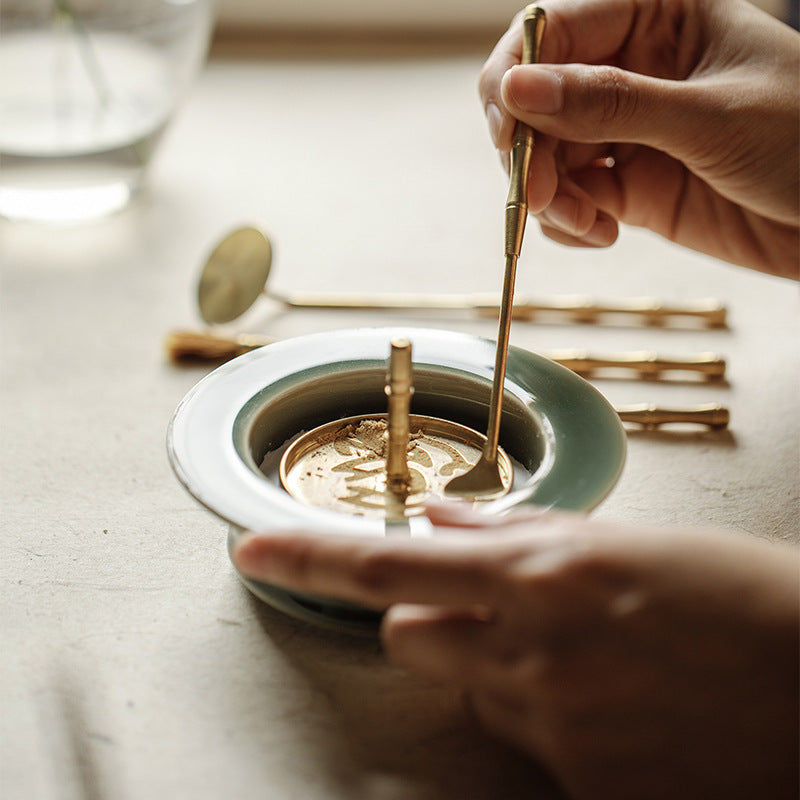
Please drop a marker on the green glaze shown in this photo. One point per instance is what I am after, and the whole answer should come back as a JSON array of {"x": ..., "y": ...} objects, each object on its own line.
[{"x": 555, "y": 423}]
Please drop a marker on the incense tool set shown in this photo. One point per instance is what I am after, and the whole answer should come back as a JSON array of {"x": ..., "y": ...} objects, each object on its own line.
[{"x": 353, "y": 431}]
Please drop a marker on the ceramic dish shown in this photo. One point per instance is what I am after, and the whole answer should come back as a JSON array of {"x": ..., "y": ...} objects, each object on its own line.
[{"x": 556, "y": 425}]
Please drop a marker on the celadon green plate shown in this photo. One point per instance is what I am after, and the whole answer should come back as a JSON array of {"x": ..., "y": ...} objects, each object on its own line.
[{"x": 558, "y": 426}]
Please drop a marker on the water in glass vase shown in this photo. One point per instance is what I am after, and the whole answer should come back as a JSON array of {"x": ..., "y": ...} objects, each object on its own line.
[{"x": 79, "y": 118}]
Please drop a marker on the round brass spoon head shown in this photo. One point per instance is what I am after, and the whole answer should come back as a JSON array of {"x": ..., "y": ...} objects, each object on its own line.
[
  {"x": 234, "y": 276},
  {"x": 341, "y": 465}
]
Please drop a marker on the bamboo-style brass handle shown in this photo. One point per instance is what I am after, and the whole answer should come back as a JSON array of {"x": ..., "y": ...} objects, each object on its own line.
[
  {"x": 650, "y": 310},
  {"x": 578, "y": 307},
  {"x": 533, "y": 26},
  {"x": 649, "y": 416},
  {"x": 195, "y": 346},
  {"x": 198, "y": 346},
  {"x": 235, "y": 274},
  {"x": 399, "y": 390},
  {"x": 646, "y": 363}
]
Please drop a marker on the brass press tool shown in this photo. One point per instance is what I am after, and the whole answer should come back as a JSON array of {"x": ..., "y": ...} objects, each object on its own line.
[
  {"x": 399, "y": 390},
  {"x": 484, "y": 479}
]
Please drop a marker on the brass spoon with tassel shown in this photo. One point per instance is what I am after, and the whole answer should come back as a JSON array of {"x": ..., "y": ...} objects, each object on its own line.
[{"x": 187, "y": 347}]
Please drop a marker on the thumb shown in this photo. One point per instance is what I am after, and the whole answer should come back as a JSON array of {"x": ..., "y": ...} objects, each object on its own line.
[{"x": 585, "y": 103}]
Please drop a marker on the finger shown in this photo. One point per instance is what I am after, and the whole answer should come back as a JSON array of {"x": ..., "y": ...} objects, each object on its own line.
[
  {"x": 647, "y": 189},
  {"x": 586, "y": 103},
  {"x": 462, "y": 514},
  {"x": 459, "y": 514},
  {"x": 577, "y": 30},
  {"x": 446, "y": 645},
  {"x": 602, "y": 233},
  {"x": 573, "y": 157},
  {"x": 543, "y": 173},
  {"x": 509, "y": 719},
  {"x": 505, "y": 55},
  {"x": 375, "y": 572},
  {"x": 575, "y": 215},
  {"x": 572, "y": 210},
  {"x": 588, "y": 31},
  {"x": 560, "y": 237}
]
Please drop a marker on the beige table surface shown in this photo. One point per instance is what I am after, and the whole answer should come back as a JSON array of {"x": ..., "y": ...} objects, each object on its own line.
[{"x": 134, "y": 664}]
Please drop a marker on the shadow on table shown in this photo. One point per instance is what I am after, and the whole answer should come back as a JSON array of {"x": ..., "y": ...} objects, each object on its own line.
[{"x": 385, "y": 733}]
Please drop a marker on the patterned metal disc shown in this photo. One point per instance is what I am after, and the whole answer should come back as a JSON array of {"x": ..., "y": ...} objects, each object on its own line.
[{"x": 341, "y": 465}]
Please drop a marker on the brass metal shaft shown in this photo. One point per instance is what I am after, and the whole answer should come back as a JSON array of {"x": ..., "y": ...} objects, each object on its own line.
[
  {"x": 484, "y": 479},
  {"x": 516, "y": 216},
  {"x": 399, "y": 389}
]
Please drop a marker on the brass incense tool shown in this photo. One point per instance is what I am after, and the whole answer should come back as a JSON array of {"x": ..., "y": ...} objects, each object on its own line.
[
  {"x": 484, "y": 479},
  {"x": 584, "y": 308},
  {"x": 645, "y": 363},
  {"x": 579, "y": 308},
  {"x": 650, "y": 417},
  {"x": 399, "y": 391},
  {"x": 196, "y": 347},
  {"x": 186, "y": 346},
  {"x": 236, "y": 273},
  {"x": 383, "y": 465}
]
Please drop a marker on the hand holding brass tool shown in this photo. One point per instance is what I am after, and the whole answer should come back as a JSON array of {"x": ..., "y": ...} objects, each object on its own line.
[{"x": 484, "y": 479}]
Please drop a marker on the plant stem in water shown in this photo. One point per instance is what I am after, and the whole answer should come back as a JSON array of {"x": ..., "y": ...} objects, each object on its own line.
[{"x": 93, "y": 68}]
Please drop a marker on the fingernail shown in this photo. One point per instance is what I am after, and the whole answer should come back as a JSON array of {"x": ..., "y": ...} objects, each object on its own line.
[
  {"x": 533, "y": 89},
  {"x": 562, "y": 213},
  {"x": 495, "y": 121}
]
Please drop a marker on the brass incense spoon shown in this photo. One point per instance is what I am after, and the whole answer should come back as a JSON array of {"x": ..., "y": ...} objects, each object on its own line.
[
  {"x": 579, "y": 308},
  {"x": 236, "y": 273},
  {"x": 484, "y": 479}
]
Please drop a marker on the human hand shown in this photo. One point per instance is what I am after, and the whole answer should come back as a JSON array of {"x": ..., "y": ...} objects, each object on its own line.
[
  {"x": 634, "y": 663},
  {"x": 679, "y": 117}
]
